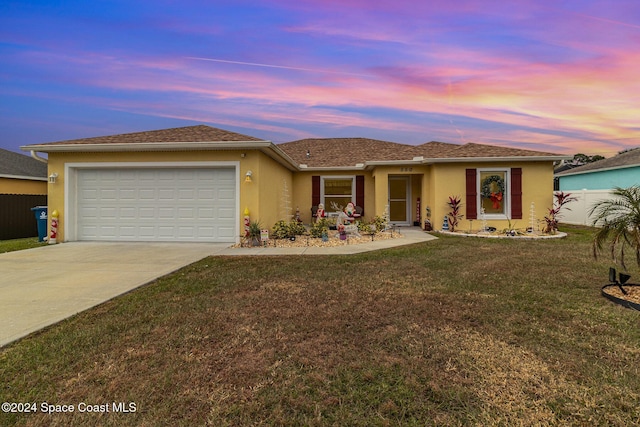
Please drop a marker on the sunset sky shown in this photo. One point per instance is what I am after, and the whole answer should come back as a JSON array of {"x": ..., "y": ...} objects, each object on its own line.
[{"x": 558, "y": 76}]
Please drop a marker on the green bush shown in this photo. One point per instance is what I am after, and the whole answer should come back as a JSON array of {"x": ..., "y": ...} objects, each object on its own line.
[
  {"x": 319, "y": 227},
  {"x": 296, "y": 228},
  {"x": 280, "y": 230},
  {"x": 380, "y": 223},
  {"x": 285, "y": 230},
  {"x": 365, "y": 227}
]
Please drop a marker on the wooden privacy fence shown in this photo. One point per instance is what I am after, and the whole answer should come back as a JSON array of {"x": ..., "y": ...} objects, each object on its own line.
[{"x": 17, "y": 220}]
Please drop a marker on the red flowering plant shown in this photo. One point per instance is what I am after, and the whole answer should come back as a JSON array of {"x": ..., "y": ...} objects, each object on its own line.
[{"x": 455, "y": 203}]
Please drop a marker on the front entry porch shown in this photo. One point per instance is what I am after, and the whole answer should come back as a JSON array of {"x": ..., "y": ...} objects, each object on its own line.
[{"x": 404, "y": 199}]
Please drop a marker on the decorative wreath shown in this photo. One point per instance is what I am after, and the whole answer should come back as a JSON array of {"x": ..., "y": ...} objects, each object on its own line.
[{"x": 486, "y": 186}]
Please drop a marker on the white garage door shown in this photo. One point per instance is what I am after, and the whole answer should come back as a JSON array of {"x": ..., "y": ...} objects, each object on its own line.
[{"x": 159, "y": 204}]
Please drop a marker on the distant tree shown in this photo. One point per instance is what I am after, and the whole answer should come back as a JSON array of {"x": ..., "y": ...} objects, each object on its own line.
[
  {"x": 626, "y": 150},
  {"x": 583, "y": 159}
]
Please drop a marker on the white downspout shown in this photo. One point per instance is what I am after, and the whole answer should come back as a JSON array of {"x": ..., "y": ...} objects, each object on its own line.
[{"x": 35, "y": 156}]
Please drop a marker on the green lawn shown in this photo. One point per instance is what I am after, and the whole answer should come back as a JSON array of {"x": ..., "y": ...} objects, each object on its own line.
[
  {"x": 457, "y": 331},
  {"x": 19, "y": 244}
]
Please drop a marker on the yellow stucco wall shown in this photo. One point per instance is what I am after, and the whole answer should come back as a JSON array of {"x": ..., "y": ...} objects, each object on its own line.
[
  {"x": 266, "y": 196},
  {"x": 22, "y": 186},
  {"x": 449, "y": 179},
  {"x": 273, "y": 191},
  {"x": 257, "y": 196}
]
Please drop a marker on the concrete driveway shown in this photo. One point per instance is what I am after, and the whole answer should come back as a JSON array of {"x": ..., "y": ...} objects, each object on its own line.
[{"x": 44, "y": 285}]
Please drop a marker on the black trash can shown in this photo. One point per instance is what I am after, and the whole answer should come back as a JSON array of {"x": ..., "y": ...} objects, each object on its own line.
[{"x": 41, "y": 218}]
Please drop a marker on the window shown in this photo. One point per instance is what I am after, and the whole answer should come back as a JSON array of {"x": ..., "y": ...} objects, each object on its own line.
[
  {"x": 493, "y": 194},
  {"x": 481, "y": 183},
  {"x": 337, "y": 191}
]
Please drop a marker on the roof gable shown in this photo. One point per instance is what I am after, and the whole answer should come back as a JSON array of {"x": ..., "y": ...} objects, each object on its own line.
[{"x": 16, "y": 164}]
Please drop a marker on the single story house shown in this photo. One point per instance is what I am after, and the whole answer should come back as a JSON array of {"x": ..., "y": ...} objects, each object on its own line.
[
  {"x": 195, "y": 183},
  {"x": 622, "y": 170},
  {"x": 23, "y": 185},
  {"x": 20, "y": 174},
  {"x": 595, "y": 181}
]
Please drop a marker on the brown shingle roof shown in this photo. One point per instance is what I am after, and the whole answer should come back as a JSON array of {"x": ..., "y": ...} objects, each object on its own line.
[
  {"x": 483, "y": 150},
  {"x": 20, "y": 165},
  {"x": 345, "y": 152},
  {"x": 199, "y": 133},
  {"x": 342, "y": 152},
  {"x": 323, "y": 152},
  {"x": 629, "y": 158}
]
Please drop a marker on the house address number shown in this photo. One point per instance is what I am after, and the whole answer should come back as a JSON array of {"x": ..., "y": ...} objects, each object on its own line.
[{"x": 406, "y": 169}]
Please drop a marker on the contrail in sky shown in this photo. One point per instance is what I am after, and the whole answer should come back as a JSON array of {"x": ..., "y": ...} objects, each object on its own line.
[{"x": 254, "y": 64}]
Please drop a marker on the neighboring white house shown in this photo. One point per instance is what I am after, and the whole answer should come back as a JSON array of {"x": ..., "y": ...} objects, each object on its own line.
[{"x": 594, "y": 181}]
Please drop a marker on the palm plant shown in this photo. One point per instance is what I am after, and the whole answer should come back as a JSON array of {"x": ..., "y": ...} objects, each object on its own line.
[{"x": 619, "y": 219}]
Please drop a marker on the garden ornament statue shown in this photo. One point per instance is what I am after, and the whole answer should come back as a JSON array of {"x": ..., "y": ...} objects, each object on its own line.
[
  {"x": 445, "y": 224},
  {"x": 343, "y": 219},
  {"x": 350, "y": 210},
  {"x": 320, "y": 213}
]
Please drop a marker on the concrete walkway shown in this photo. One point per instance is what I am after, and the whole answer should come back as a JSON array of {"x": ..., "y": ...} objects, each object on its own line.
[{"x": 44, "y": 285}]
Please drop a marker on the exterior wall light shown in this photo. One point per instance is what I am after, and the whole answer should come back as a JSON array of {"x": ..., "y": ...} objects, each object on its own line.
[
  {"x": 247, "y": 176},
  {"x": 52, "y": 178}
]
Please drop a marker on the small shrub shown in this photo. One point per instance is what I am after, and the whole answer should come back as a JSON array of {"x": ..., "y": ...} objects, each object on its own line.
[
  {"x": 365, "y": 227},
  {"x": 296, "y": 228},
  {"x": 319, "y": 227},
  {"x": 280, "y": 230},
  {"x": 285, "y": 230},
  {"x": 255, "y": 229},
  {"x": 554, "y": 215},
  {"x": 455, "y": 203},
  {"x": 380, "y": 223}
]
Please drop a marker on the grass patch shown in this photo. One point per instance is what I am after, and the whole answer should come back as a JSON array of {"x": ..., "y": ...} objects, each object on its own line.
[
  {"x": 457, "y": 331},
  {"x": 20, "y": 244}
]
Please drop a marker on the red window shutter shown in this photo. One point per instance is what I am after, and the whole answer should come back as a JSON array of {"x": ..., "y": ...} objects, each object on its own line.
[
  {"x": 472, "y": 194},
  {"x": 516, "y": 193},
  {"x": 315, "y": 190},
  {"x": 360, "y": 192}
]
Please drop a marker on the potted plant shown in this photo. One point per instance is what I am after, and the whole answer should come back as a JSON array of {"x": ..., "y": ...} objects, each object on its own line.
[{"x": 254, "y": 233}]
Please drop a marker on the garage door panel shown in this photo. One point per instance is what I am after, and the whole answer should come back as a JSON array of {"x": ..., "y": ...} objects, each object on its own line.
[
  {"x": 206, "y": 213},
  {"x": 148, "y": 194},
  {"x": 157, "y": 204}
]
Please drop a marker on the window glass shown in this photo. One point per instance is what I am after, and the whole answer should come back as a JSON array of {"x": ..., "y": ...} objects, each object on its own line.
[
  {"x": 334, "y": 187},
  {"x": 493, "y": 192},
  {"x": 337, "y": 193}
]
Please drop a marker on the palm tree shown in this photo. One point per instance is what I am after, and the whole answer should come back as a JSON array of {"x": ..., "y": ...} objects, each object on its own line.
[{"x": 619, "y": 219}]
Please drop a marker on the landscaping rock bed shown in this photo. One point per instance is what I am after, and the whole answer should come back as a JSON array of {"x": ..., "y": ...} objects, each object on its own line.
[
  {"x": 496, "y": 235},
  {"x": 333, "y": 240},
  {"x": 630, "y": 300}
]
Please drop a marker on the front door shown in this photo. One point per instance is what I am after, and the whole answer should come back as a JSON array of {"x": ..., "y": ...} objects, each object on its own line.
[{"x": 399, "y": 200}]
